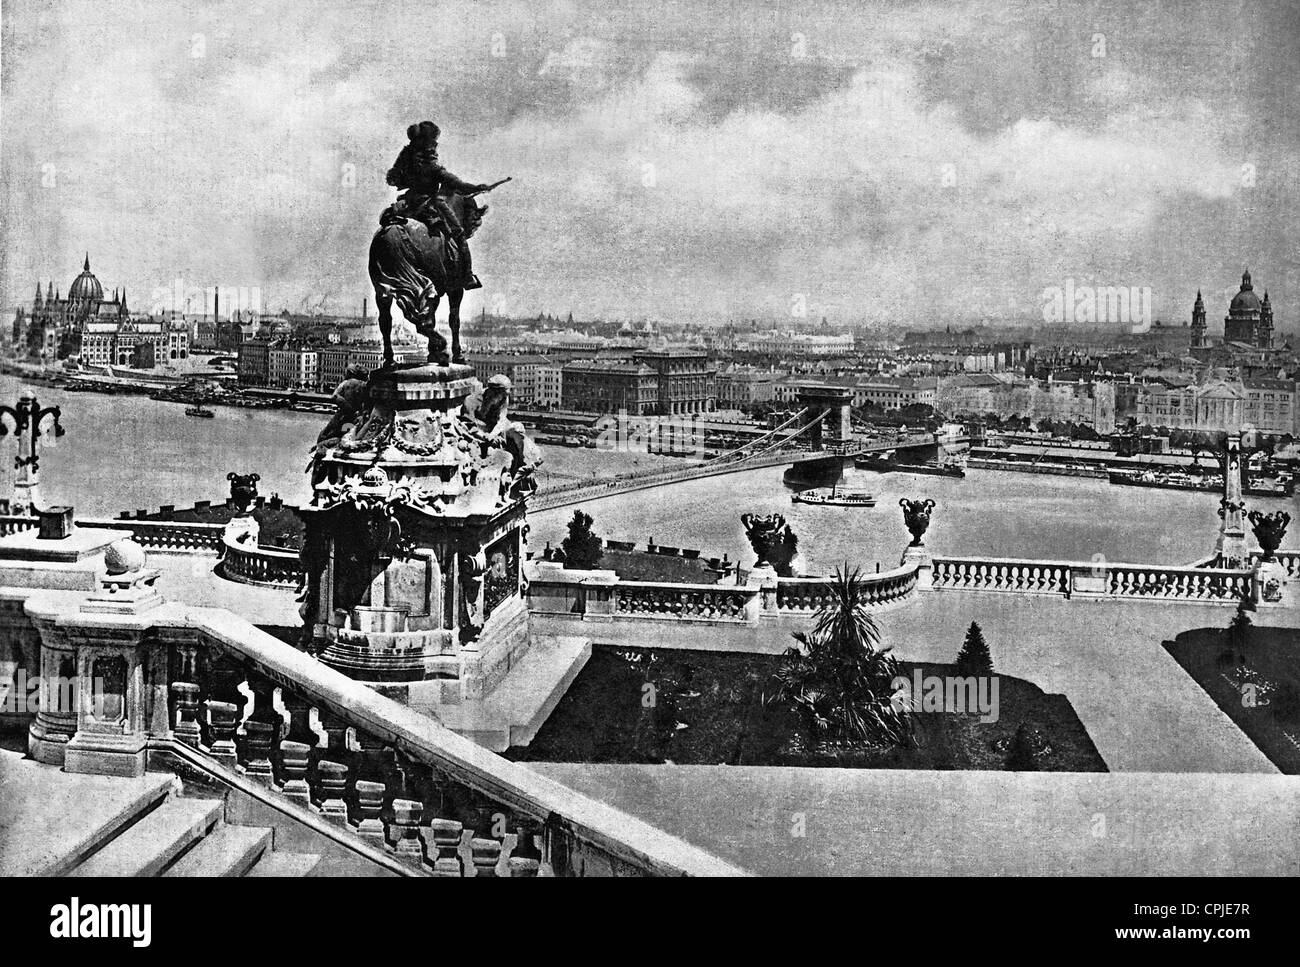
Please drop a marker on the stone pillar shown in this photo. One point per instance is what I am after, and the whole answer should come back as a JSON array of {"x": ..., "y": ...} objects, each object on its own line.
[
  {"x": 1230, "y": 549},
  {"x": 763, "y": 577},
  {"x": 56, "y": 716},
  {"x": 920, "y": 556}
]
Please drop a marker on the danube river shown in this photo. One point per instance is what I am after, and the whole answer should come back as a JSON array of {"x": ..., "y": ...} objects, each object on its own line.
[{"x": 128, "y": 452}]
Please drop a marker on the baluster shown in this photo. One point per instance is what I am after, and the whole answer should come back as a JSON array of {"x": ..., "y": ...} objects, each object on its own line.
[
  {"x": 486, "y": 853},
  {"x": 373, "y": 760},
  {"x": 295, "y": 758},
  {"x": 526, "y": 857},
  {"x": 370, "y": 803},
  {"x": 264, "y": 710},
  {"x": 223, "y": 721},
  {"x": 225, "y": 676},
  {"x": 406, "y": 832},
  {"x": 444, "y": 848},
  {"x": 187, "y": 728},
  {"x": 336, "y": 731},
  {"x": 260, "y": 738},
  {"x": 331, "y": 784}
]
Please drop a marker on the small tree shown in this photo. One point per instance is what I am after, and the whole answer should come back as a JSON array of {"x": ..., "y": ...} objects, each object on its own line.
[
  {"x": 974, "y": 657},
  {"x": 582, "y": 548},
  {"x": 1020, "y": 755}
]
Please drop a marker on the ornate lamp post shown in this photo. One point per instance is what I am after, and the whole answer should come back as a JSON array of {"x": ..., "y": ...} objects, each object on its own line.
[{"x": 27, "y": 416}]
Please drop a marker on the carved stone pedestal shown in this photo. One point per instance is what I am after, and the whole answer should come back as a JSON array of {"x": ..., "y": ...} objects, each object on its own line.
[{"x": 414, "y": 537}]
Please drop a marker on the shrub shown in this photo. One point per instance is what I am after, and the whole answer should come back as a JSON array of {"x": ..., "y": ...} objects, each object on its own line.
[
  {"x": 582, "y": 548},
  {"x": 838, "y": 678},
  {"x": 1020, "y": 755}
]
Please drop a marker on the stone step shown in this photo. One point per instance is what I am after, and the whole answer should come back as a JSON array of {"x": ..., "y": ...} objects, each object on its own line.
[
  {"x": 148, "y": 846},
  {"x": 34, "y": 844},
  {"x": 226, "y": 851},
  {"x": 284, "y": 864}
]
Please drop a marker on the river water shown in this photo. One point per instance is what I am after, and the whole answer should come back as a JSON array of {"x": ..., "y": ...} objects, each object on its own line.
[{"x": 128, "y": 452}]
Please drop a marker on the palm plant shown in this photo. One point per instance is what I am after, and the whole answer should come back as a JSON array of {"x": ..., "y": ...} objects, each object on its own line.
[{"x": 838, "y": 677}]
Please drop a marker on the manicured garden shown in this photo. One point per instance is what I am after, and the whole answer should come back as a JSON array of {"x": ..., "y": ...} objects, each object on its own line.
[
  {"x": 641, "y": 705},
  {"x": 1253, "y": 675}
]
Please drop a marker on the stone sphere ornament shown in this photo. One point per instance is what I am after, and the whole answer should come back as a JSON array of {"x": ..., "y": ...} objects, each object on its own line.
[{"x": 123, "y": 557}]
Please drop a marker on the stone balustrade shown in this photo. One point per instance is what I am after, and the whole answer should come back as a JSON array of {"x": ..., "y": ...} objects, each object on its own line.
[
  {"x": 1288, "y": 559},
  {"x": 809, "y": 595},
  {"x": 1111, "y": 579},
  {"x": 167, "y": 536},
  {"x": 199, "y": 687},
  {"x": 17, "y": 523},
  {"x": 685, "y": 602},
  {"x": 602, "y": 595},
  {"x": 248, "y": 563}
]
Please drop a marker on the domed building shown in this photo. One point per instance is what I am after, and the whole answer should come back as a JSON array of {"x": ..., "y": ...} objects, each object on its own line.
[
  {"x": 1249, "y": 320},
  {"x": 97, "y": 329},
  {"x": 85, "y": 287}
]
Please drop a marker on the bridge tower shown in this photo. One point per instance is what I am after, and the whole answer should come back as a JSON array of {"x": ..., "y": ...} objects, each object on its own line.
[{"x": 833, "y": 403}]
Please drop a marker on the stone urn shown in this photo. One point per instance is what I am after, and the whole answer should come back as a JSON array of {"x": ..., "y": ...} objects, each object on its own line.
[
  {"x": 1269, "y": 530},
  {"x": 774, "y": 543},
  {"x": 916, "y": 515},
  {"x": 243, "y": 490}
]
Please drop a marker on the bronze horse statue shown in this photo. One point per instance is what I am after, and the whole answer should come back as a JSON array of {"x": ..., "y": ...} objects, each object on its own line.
[{"x": 416, "y": 267}]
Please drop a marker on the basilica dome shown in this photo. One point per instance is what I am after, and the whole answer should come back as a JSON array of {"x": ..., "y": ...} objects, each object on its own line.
[
  {"x": 85, "y": 286},
  {"x": 1245, "y": 300}
]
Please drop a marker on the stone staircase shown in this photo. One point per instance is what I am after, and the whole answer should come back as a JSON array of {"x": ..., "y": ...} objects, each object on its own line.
[
  {"x": 156, "y": 825},
  {"x": 181, "y": 836}
]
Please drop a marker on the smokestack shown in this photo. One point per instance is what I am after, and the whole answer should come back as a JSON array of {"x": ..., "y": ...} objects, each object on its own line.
[
  {"x": 364, "y": 303},
  {"x": 216, "y": 303}
]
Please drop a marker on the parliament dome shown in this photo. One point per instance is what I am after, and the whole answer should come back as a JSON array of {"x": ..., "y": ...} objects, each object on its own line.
[{"x": 86, "y": 287}]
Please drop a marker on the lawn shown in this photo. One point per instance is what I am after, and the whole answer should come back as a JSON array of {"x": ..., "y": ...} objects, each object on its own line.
[
  {"x": 640, "y": 705},
  {"x": 1256, "y": 683}
]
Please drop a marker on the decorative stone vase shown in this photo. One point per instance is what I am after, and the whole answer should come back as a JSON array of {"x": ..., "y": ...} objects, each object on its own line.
[
  {"x": 1269, "y": 530},
  {"x": 916, "y": 516}
]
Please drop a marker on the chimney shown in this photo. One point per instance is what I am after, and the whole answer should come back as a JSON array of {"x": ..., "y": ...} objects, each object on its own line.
[{"x": 216, "y": 303}]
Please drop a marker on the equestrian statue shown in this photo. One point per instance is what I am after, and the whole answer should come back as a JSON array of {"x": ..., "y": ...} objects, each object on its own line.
[{"x": 421, "y": 251}]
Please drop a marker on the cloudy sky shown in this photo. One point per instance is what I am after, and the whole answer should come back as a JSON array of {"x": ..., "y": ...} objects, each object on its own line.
[{"x": 912, "y": 163}]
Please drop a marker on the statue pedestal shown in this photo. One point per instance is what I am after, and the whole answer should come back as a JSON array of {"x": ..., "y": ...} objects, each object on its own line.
[
  {"x": 414, "y": 540},
  {"x": 918, "y": 554},
  {"x": 765, "y": 578},
  {"x": 1273, "y": 586}
]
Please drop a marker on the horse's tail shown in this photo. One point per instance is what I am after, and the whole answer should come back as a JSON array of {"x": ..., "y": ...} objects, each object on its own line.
[{"x": 395, "y": 272}]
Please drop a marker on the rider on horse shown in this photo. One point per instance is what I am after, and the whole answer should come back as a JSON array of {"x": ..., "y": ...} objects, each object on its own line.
[{"x": 427, "y": 185}]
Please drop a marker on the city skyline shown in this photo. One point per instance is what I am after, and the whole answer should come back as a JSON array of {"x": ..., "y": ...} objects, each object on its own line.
[{"x": 887, "y": 165}]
